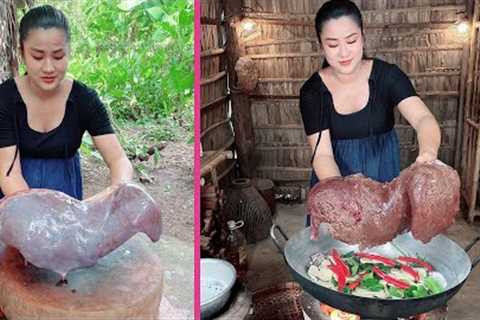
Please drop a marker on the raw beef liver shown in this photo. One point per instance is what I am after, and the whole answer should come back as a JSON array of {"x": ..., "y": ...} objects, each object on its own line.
[
  {"x": 59, "y": 233},
  {"x": 424, "y": 199}
]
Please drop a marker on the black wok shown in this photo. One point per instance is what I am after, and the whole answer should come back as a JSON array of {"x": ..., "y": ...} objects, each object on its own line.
[{"x": 445, "y": 255}]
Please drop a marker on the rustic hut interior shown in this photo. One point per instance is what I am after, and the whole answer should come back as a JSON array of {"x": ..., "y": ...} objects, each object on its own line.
[{"x": 255, "y": 159}]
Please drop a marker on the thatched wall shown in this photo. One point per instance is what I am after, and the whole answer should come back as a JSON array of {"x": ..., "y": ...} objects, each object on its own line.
[
  {"x": 419, "y": 36},
  {"x": 216, "y": 129}
]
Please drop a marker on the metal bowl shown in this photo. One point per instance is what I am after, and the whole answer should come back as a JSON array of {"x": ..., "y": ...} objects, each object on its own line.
[{"x": 216, "y": 281}]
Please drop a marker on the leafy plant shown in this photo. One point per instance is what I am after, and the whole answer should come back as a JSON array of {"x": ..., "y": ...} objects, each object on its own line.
[{"x": 138, "y": 54}]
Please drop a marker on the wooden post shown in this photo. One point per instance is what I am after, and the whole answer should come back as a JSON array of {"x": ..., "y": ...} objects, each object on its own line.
[
  {"x": 461, "y": 109},
  {"x": 471, "y": 185},
  {"x": 241, "y": 113}
]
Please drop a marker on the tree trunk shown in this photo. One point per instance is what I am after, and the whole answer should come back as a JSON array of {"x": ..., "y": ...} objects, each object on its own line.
[{"x": 8, "y": 40}]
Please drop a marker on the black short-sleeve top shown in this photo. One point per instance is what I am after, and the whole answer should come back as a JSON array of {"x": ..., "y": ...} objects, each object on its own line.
[
  {"x": 388, "y": 86},
  {"x": 84, "y": 112}
]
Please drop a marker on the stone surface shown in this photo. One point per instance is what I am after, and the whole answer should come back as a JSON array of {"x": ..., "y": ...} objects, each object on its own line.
[
  {"x": 177, "y": 263},
  {"x": 125, "y": 284}
]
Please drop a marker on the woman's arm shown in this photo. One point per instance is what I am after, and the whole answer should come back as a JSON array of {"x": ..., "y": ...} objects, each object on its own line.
[
  {"x": 324, "y": 163},
  {"x": 424, "y": 123},
  {"x": 14, "y": 182},
  {"x": 112, "y": 153}
]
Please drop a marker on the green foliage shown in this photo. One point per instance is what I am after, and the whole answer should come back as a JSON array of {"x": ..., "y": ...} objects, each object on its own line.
[{"x": 138, "y": 54}]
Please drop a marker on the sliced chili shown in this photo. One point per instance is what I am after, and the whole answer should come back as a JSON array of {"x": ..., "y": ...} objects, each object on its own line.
[
  {"x": 389, "y": 262},
  {"x": 418, "y": 261},
  {"x": 391, "y": 280},
  {"x": 339, "y": 261},
  {"x": 411, "y": 272},
  {"x": 341, "y": 279},
  {"x": 357, "y": 282}
]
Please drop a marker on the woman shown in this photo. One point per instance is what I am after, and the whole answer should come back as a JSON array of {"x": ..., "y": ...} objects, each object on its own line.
[
  {"x": 348, "y": 106},
  {"x": 43, "y": 115}
]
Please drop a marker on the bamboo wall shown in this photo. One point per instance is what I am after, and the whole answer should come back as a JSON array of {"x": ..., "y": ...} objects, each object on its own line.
[
  {"x": 216, "y": 129},
  {"x": 216, "y": 134},
  {"x": 419, "y": 36}
]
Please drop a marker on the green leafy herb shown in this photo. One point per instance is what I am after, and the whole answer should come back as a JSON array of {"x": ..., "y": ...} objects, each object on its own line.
[
  {"x": 384, "y": 268},
  {"x": 365, "y": 267},
  {"x": 432, "y": 285},
  {"x": 416, "y": 292},
  {"x": 371, "y": 283},
  {"x": 395, "y": 292},
  {"x": 353, "y": 264}
]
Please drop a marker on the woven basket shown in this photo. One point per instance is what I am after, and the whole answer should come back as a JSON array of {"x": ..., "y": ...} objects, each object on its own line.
[{"x": 280, "y": 302}]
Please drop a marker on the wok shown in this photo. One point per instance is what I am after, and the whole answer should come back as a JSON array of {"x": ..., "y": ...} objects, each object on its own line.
[{"x": 445, "y": 255}]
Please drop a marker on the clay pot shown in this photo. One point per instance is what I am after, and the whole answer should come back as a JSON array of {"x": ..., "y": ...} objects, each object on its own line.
[{"x": 244, "y": 202}]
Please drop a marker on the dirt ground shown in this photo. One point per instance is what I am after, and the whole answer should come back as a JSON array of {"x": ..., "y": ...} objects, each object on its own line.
[{"x": 171, "y": 186}]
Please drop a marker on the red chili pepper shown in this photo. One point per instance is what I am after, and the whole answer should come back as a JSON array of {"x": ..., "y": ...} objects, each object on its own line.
[
  {"x": 420, "y": 262},
  {"x": 385, "y": 260},
  {"x": 391, "y": 280},
  {"x": 338, "y": 261},
  {"x": 357, "y": 282},
  {"x": 340, "y": 276},
  {"x": 411, "y": 272}
]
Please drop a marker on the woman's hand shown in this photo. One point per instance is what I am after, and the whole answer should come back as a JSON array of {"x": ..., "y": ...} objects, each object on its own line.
[{"x": 426, "y": 156}]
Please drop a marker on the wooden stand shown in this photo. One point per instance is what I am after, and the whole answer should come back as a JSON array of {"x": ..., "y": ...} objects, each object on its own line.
[{"x": 126, "y": 284}]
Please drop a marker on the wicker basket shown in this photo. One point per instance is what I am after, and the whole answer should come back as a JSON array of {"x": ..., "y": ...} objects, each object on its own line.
[{"x": 280, "y": 302}]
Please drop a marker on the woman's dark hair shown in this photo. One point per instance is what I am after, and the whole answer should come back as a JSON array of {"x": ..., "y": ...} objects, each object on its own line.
[
  {"x": 44, "y": 17},
  {"x": 335, "y": 9}
]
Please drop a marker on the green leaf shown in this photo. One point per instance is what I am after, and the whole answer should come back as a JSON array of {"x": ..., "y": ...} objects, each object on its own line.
[
  {"x": 395, "y": 292},
  {"x": 156, "y": 12},
  {"x": 384, "y": 268},
  {"x": 354, "y": 269},
  {"x": 352, "y": 263},
  {"x": 432, "y": 285},
  {"x": 128, "y": 5},
  {"x": 365, "y": 267},
  {"x": 348, "y": 255},
  {"x": 416, "y": 292},
  {"x": 371, "y": 283}
]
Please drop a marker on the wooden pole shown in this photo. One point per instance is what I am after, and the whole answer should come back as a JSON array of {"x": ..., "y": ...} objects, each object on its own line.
[
  {"x": 468, "y": 175},
  {"x": 241, "y": 114},
  {"x": 461, "y": 109}
]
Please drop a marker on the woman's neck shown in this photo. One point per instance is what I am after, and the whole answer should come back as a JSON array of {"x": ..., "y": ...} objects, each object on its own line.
[
  {"x": 38, "y": 92},
  {"x": 351, "y": 77}
]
